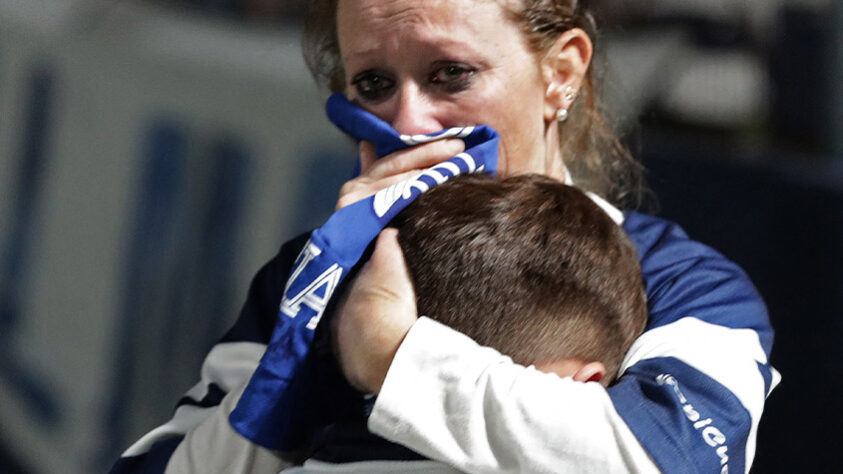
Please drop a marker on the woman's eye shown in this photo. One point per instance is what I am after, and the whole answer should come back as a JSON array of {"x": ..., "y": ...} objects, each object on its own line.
[
  {"x": 453, "y": 76},
  {"x": 372, "y": 86}
]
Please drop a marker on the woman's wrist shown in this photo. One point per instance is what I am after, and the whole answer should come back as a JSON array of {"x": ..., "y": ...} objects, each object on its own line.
[
  {"x": 375, "y": 316},
  {"x": 376, "y": 375}
]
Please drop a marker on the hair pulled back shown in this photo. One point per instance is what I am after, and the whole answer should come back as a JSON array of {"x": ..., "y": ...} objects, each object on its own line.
[{"x": 592, "y": 153}]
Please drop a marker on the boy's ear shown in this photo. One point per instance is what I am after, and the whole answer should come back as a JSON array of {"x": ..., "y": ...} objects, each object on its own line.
[{"x": 590, "y": 372}]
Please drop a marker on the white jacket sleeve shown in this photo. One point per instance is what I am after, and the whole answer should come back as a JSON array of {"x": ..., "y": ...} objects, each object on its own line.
[
  {"x": 207, "y": 443},
  {"x": 214, "y": 447},
  {"x": 469, "y": 406}
]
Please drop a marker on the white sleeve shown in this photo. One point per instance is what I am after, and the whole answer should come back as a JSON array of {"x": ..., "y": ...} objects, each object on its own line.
[
  {"x": 214, "y": 447},
  {"x": 209, "y": 444},
  {"x": 457, "y": 402}
]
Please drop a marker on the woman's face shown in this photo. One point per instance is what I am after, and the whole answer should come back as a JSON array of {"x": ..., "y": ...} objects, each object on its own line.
[{"x": 425, "y": 66}]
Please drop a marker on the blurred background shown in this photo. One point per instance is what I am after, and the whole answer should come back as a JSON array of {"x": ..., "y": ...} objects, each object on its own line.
[{"x": 154, "y": 153}]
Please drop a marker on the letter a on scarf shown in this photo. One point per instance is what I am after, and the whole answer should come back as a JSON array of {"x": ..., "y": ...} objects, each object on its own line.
[{"x": 277, "y": 409}]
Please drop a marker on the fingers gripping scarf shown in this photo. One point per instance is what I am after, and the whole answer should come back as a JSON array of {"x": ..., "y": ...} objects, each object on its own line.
[{"x": 278, "y": 407}]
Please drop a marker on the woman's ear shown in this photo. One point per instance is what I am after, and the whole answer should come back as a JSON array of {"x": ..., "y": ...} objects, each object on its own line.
[
  {"x": 590, "y": 372},
  {"x": 564, "y": 68}
]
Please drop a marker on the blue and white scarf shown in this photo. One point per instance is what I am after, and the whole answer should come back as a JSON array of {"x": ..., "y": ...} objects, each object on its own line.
[{"x": 276, "y": 408}]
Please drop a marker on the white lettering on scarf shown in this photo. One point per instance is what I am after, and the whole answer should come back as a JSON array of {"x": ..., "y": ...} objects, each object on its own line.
[
  {"x": 456, "y": 132},
  {"x": 309, "y": 296},
  {"x": 387, "y": 197}
]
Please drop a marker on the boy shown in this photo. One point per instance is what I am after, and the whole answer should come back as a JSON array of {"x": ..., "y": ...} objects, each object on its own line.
[{"x": 526, "y": 265}]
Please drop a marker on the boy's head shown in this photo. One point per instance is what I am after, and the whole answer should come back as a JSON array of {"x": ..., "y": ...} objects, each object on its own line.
[{"x": 529, "y": 266}]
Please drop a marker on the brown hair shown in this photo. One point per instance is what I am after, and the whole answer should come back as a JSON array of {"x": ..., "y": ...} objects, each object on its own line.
[
  {"x": 592, "y": 153},
  {"x": 527, "y": 265}
]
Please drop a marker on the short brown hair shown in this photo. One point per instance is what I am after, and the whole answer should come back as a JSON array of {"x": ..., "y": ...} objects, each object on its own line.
[{"x": 527, "y": 265}]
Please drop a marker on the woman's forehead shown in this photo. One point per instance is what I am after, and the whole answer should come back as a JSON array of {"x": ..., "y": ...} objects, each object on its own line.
[
  {"x": 400, "y": 12},
  {"x": 368, "y": 23}
]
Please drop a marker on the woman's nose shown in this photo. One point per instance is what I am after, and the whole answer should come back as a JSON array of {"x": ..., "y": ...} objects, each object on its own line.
[{"x": 414, "y": 113}]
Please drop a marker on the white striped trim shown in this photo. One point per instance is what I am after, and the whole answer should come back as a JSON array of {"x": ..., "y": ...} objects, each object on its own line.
[
  {"x": 229, "y": 365},
  {"x": 614, "y": 213},
  {"x": 456, "y": 132},
  {"x": 186, "y": 418}
]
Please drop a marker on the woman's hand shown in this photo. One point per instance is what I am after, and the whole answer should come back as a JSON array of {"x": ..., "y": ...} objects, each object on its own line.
[
  {"x": 375, "y": 315},
  {"x": 377, "y": 174}
]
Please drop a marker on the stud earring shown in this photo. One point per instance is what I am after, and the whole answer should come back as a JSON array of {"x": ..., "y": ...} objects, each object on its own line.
[
  {"x": 562, "y": 115},
  {"x": 570, "y": 93}
]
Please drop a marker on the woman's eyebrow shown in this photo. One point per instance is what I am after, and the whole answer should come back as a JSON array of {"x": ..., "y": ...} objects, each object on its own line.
[{"x": 355, "y": 54}]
